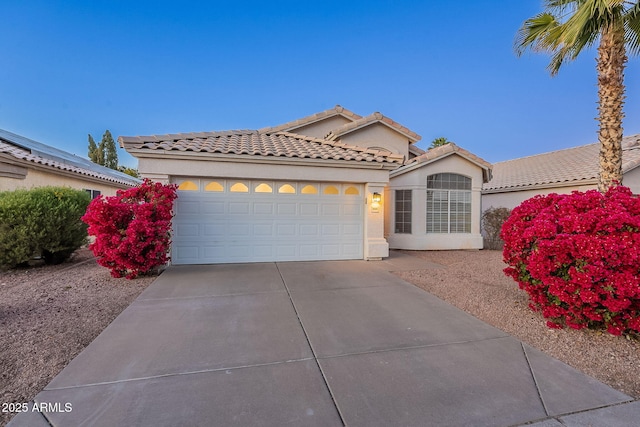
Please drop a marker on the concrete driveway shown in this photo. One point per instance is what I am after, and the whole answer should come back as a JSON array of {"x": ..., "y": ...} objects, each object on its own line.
[{"x": 314, "y": 344}]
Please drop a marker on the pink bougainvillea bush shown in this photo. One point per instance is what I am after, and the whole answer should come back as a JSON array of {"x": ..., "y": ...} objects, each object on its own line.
[
  {"x": 132, "y": 228},
  {"x": 578, "y": 257}
]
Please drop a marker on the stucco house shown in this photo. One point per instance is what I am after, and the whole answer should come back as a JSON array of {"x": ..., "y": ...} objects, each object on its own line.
[
  {"x": 561, "y": 171},
  {"x": 329, "y": 186},
  {"x": 443, "y": 186},
  {"x": 25, "y": 163}
]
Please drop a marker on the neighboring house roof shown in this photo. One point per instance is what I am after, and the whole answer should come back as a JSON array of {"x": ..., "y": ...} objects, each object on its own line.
[
  {"x": 25, "y": 151},
  {"x": 441, "y": 152},
  {"x": 258, "y": 143},
  {"x": 368, "y": 121},
  {"x": 335, "y": 111},
  {"x": 568, "y": 167}
]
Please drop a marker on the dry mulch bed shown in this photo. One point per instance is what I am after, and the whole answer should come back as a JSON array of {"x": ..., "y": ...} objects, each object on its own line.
[
  {"x": 49, "y": 314},
  {"x": 474, "y": 282}
]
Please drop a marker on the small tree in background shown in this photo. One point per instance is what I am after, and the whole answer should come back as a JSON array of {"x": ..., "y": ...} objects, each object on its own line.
[
  {"x": 105, "y": 153},
  {"x": 93, "y": 151},
  {"x": 129, "y": 171},
  {"x": 439, "y": 142},
  {"x": 110, "y": 153}
]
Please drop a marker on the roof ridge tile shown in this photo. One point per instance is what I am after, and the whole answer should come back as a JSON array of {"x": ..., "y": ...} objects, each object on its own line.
[{"x": 367, "y": 120}]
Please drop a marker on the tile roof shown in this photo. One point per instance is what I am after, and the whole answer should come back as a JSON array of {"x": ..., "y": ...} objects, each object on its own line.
[
  {"x": 335, "y": 111},
  {"x": 7, "y": 148},
  {"x": 571, "y": 166},
  {"x": 416, "y": 150},
  {"x": 259, "y": 143},
  {"x": 437, "y": 153},
  {"x": 368, "y": 120}
]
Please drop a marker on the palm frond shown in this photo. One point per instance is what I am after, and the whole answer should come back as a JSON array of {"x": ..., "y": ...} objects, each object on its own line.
[
  {"x": 535, "y": 33},
  {"x": 632, "y": 29}
]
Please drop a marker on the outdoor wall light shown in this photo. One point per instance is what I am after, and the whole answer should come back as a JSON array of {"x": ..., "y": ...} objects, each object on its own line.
[{"x": 376, "y": 198}]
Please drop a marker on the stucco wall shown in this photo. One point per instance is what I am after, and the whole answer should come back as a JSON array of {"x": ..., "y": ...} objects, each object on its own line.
[
  {"x": 322, "y": 128},
  {"x": 206, "y": 167},
  {"x": 514, "y": 198},
  {"x": 378, "y": 135},
  {"x": 632, "y": 180},
  {"x": 416, "y": 180},
  {"x": 38, "y": 178}
]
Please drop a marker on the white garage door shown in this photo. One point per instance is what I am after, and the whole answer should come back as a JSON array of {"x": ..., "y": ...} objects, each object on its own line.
[{"x": 226, "y": 221}]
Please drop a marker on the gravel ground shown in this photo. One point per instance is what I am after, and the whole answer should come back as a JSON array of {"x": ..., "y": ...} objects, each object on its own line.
[
  {"x": 474, "y": 282},
  {"x": 48, "y": 315}
]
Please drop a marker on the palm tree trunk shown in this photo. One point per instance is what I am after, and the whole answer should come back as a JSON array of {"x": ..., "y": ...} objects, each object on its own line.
[{"x": 611, "y": 62}]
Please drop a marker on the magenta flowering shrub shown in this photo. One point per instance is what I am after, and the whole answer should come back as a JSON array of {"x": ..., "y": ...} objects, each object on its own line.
[
  {"x": 132, "y": 228},
  {"x": 578, "y": 257}
]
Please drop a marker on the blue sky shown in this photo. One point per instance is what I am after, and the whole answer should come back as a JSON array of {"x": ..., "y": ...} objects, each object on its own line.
[{"x": 70, "y": 68}]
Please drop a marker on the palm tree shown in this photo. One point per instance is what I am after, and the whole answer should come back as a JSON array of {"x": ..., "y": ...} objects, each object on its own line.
[
  {"x": 439, "y": 142},
  {"x": 563, "y": 29}
]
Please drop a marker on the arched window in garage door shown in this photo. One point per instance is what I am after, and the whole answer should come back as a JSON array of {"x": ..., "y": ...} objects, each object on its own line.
[
  {"x": 214, "y": 186},
  {"x": 239, "y": 187},
  {"x": 351, "y": 191},
  {"x": 188, "y": 186}
]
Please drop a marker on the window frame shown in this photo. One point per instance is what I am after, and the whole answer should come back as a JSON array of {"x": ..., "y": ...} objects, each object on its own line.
[
  {"x": 454, "y": 191},
  {"x": 403, "y": 226}
]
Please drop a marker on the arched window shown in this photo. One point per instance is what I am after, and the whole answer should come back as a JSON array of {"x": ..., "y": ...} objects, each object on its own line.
[
  {"x": 214, "y": 186},
  {"x": 263, "y": 188},
  {"x": 309, "y": 189},
  {"x": 286, "y": 189},
  {"x": 351, "y": 191},
  {"x": 448, "y": 203},
  {"x": 330, "y": 189},
  {"x": 188, "y": 186},
  {"x": 239, "y": 187}
]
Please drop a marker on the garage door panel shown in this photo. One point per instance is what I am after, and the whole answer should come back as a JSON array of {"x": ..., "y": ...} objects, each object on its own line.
[
  {"x": 351, "y": 250},
  {"x": 211, "y": 252},
  {"x": 284, "y": 230},
  {"x": 187, "y": 230},
  {"x": 286, "y": 208},
  {"x": 307, "y": 209},
  {"x": 309, "y": 230},
  {"x": 331, "y": 229},
  {"x": 286, "y": 250},
  {"x": 263, "y": 230},
  {"x": 352, "y": 229},
  {"x": 239, "y": 207},
  {"x": 223, "y": 226},
  {"x": 214, "y": 208},
  {"x": 210, "y": 230},
  {"x": 309, "y": 250},
  {"x": 188, "y": 207},
  {"x": 330, "y": 250},
  {"x": 260, "y": 208},
  {"x": 332, "y": 209},
  {"x": 239, "y": 230},
  {"x": 262, "y": 251},
  {"x": 180, "y": 254},
  {"x": 352, "y": 210}
]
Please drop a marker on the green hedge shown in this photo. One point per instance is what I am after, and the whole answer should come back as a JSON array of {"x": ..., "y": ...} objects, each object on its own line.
[{"x": 43, "y": 222}]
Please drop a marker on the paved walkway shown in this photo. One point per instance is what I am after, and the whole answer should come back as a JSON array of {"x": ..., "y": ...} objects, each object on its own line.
[{"x": 314, "y": 344}]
